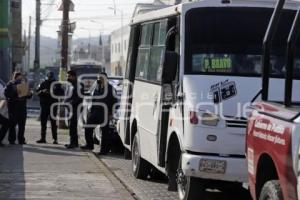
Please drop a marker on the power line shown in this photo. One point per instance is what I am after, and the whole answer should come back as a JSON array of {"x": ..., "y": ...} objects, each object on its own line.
[{"x": 105, "y": 17}]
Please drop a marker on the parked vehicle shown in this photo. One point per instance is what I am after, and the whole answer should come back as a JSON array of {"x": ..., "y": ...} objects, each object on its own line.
[
  {"x": 273, "y": 129},
  {"x": 186, "y": 87},
  {"x": 87, "y": 71}
]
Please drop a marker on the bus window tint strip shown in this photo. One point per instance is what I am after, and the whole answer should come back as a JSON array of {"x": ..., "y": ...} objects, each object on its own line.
[{"x": 228, "y": 41}]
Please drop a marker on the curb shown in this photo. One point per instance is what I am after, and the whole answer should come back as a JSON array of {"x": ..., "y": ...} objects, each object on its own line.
[{"x": 125, "y": 191}]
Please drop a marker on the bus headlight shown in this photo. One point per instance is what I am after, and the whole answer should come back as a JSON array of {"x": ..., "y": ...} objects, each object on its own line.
[{"x": 210, "y": 119}]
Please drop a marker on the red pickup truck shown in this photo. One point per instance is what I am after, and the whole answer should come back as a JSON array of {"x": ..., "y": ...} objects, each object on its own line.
[
  {"x": 273, "y": 131},
  {"x": 273, "y": 151}
]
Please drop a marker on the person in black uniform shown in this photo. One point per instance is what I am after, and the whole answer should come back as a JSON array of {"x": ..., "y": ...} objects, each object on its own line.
[
  {"x": 17, "y": 110},
  {"x": 75, "y": 100},
  {"x": 100, "y": 115},
  {"x": 4, "y": 122},
  {"x": 46, "y": 101}
]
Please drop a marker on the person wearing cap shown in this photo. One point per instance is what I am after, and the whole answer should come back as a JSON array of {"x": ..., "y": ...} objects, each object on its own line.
[
  {"x": 17, "y": 92},
  {"x": 47, "y": 92},
  {"x": 77, "y": 91},
  {"x": 100, "y": 113}
]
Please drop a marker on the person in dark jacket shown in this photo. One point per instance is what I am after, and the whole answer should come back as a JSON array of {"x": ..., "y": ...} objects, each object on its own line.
[
  {"x": 4, "y": 122},
  {"x": 47, "y": 99},
  {"x": 75, "y": 100},
  {"x": 101, "y": 113},
  {"x": 17, "y": 110}
]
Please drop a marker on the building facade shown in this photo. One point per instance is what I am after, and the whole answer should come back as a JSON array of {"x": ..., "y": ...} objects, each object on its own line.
[
  {"x": 5, "y": 40},
  {"x": 120, "y": 37},
  {"x": 119, "y": 49}
]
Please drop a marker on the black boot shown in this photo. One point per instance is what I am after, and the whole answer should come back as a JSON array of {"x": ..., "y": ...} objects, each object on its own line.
[{"x": 41, "y": 141}]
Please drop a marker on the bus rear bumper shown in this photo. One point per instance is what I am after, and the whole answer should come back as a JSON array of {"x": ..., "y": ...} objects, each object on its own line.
[{"x": 234, "y": 169}]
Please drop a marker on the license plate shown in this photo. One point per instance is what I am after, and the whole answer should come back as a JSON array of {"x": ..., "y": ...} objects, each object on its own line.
[{"x": 212, "y": 166}]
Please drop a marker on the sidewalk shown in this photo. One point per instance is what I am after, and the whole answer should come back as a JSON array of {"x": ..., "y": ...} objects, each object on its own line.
[{"x": 50, "y": 171}]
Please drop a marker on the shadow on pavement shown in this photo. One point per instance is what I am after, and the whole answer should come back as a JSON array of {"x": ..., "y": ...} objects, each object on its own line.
[
  {"x": 47, "y": 150},
  {"x": 12, "y": 180}
]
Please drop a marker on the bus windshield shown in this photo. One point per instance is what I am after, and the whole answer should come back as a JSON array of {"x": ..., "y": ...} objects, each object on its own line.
[{"x": 227, "y": 40}]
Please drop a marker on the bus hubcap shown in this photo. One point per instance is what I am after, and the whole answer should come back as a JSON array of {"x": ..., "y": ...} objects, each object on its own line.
[
  {"x": 181, "y": 182},
  {"x": 136, "y": 156}
]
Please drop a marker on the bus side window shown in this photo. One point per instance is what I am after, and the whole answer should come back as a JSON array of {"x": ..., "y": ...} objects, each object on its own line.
[
  {"x": 157, "y": 51},
  {"x": 142, "y": 63},
  {"x": 144, "y": 52}
]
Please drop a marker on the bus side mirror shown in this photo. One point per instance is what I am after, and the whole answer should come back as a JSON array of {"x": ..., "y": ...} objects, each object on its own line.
[{"x": 169, "y": 67}]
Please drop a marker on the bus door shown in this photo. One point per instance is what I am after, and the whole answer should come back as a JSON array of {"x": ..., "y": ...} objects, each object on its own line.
[
  {"x": 148, "y": 87},
  {"x": 125, "y": 107},
  {"x": 169, "y": 85}
]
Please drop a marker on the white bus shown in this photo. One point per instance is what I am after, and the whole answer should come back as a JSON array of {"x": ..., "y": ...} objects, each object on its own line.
[{"x": 192, "y": 71}]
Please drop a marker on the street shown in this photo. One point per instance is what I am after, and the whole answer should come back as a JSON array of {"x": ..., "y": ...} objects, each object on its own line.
[
  {"x": 156, "y": 189},
  {"x": 201, "y": 93},
  {"x": 52, "y": 172},
  {"x": 35, "y": 171}
]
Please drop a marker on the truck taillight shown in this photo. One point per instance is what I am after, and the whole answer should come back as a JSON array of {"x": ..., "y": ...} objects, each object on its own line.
[{"x": 193, "y": 117}]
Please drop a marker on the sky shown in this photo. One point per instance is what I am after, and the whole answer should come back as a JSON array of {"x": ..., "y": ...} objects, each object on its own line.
[{"x": 92, "y": 17}]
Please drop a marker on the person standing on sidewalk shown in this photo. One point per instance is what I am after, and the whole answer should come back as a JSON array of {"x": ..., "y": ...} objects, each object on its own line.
[
  {"x": 47, "y": 99},
  {"x": 75, "y": 100},
  {"x": 4, "y": 122},
  {"x": 17, "y": 92},
  {"x": 100, "y": 114}
]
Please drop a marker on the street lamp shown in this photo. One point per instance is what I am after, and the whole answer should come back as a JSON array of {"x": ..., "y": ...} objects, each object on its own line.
[
  {"x": 122, "y": 17},
  {"x": 97, "y": 22}
]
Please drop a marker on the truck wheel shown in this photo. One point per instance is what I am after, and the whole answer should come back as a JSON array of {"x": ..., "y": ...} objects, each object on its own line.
[
  {"x": 127, "y": 154},
  {"x": 140, "y": 167},
  {"x": 189, "y": 188},
  {"x": 271, "y": 191}
]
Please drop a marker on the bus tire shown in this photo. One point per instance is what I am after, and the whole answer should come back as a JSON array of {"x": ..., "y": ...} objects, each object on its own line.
[
  {"x": 271, "y": 191},
  {"x": 189, "y": 188},
  {"x": 127, "y": 154},
  {"x": 193, "y": 189},
  {"x": 140, "y": 167}
]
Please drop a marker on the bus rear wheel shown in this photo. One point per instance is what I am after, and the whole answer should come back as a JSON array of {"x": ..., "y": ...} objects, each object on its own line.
[
  {"x": 140, "y": 167},
  {"x": 271, "y": 191},
  {"x": 189, "y": 188}
]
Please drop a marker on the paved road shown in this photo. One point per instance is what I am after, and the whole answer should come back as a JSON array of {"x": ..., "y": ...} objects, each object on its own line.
[
  {"x": 157, "y": 189},
  {"x": 52, "y": 172}
]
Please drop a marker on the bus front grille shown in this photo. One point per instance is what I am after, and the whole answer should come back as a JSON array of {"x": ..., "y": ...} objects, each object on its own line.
[{"x": 236, "y": 122}]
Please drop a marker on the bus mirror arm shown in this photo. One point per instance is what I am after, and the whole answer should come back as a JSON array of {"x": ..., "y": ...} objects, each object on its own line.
[{"x": 256, "y": 96}]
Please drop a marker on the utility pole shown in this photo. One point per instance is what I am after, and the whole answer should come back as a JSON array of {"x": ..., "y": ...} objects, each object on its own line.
[
  {"x": 37, "y": 36},
  {"x": 65, "y": 39},
  {"x": 29, "y": 44}
]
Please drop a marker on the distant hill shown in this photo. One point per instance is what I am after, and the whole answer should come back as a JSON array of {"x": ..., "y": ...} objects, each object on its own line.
[{"x": 48, "y": 48}]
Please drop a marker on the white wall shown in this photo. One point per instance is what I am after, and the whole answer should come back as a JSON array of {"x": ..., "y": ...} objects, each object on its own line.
[{"x": 119, "y": 48}]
